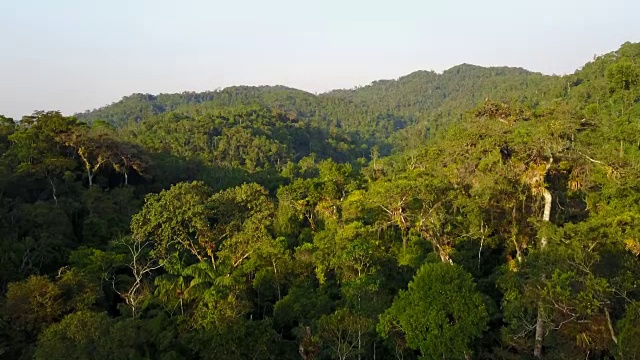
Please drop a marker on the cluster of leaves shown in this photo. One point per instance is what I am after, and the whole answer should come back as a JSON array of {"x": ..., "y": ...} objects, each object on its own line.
[{"x": 266, "y": 223}]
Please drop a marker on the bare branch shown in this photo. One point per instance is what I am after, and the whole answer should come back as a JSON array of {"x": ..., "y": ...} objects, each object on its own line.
[{"x": 592, "y": 160}]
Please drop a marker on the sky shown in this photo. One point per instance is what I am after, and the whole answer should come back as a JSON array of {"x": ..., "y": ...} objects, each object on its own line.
[{"x": 75, "y": 55}]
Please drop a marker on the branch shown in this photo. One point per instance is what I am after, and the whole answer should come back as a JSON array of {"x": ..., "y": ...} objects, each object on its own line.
[
  {"x": 592, "y": 160},
  {"x": 387, "y": 210},
  {"x": 242, "y": 258},
  {"x": 527, "y": 327},
  {"x": 613, "y": 334},
  {"x": 564, "y": 322},
  {"x": 548, "y": 164}
]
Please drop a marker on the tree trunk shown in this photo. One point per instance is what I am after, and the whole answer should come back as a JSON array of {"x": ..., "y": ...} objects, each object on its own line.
[
  {"x": 359, "y": 343},
  {"x": 126, "y": 178},
  {"x": 275, "y": 273},
  {"x": 90, "y": 176},
  {"x": 480, "y": 251},
  {"x": 307, "y": 339},
  {"x": 514, "y": 235},
  {"x": 445, "y": 258},
  {"x": 610, "y": 325},
  {"x": 546, "y": 217},
  {"x": 621, "y": 148},
  {"x": 444, "y": 255},
  {"x": 537, "y": 349},
  {"x": 53, "y": 189}
]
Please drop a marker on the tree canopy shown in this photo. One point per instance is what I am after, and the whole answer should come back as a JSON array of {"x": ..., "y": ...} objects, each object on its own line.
[{"x": 480, "y": 213}]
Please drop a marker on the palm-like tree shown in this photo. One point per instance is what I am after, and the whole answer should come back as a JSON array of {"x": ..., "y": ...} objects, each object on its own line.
[
  {"x": 205, "y": 278},
  {"x": 171, "y": 287}
]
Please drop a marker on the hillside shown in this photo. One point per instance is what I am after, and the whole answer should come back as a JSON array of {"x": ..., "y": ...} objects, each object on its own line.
[
  {"x": 375, "y": 112},
  {"x": 481, "y": 213},
  {"x": 462, "y": 86}
]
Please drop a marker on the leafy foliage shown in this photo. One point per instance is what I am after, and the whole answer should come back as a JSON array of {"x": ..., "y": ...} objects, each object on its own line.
[
  {"x": 440, "y": 314},
  {"x": 486, "y": 213}
]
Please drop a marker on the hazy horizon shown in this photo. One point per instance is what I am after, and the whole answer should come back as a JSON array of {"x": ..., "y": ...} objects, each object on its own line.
[{"x": 75, "y": 56}]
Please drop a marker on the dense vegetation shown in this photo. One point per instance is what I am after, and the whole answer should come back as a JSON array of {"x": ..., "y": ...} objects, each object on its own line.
[{"x": 482, "y": 213}]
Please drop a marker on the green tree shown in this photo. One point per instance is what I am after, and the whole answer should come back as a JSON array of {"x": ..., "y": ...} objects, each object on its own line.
[
  {"x": 77, "y": 336},
  {"x": 37, "y": 147},
  {"x": 341, "y": 332},
  {"x": 630, "y": 332},
  {"x": 440, "y": 314},
  {"x": 175, "y": 220}
]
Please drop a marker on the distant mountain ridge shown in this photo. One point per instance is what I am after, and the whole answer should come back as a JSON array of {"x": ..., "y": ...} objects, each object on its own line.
[
  {"x": 422, "y": 89},
  {"x": 396, "y": 113}
]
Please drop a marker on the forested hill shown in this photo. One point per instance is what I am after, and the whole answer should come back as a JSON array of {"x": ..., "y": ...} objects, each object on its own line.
[
  {"x": 461, "y": 86},
  {"x": 481, "y": 213},
  {"x": 421, "y": 91},
  {"x": 374, "y": 112},
  {"x": 136, "y": 107}
]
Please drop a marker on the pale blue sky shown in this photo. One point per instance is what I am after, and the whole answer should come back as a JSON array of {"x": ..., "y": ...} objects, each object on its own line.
[{"x": 73, "y": 55}]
